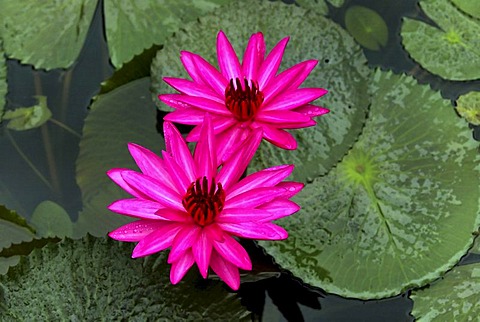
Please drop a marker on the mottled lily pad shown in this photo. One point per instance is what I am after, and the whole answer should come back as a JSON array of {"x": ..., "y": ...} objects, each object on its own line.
[
  {"x": 51, "y": 220},
  {"x": 452, "y": 52},
  {"x": 455, "y": 297},
  {"x": 341, "y": 69},
  {"x": 27, "y": 118},
  {"x": 46, "y": 34},
  {"x": 471, "y": 7},
  {"x": 96, "y": 280},
  {"x": 468, "y": 106},
  {"x": 367, "y": 27},
  {"x": 123, "y": 115},
  {"x": 399, "y": 210}
]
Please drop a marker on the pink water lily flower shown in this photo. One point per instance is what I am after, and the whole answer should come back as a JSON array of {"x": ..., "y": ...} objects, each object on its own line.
[
  {"x": 186, "y": 203},
  {"x": 244, "y": 96}
]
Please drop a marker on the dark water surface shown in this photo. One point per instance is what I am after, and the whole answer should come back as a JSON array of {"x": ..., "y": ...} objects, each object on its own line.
[{"x": 54, "y": 152}]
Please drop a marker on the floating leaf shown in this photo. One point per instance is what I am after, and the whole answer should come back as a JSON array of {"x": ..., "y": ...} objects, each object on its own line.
[
  {"x": 134, "y": 26},
  {"x": 27, "y": 118},
  {"x": 318, "y": 6},
  {"x": 452, "y": 51},
  {"x": 123, "y": 115},
  {"x": 399, "y": 210},
  {"x": 367, "y": 27},
  {"x": 13, "y": 228},
  {"x": 3, "y": 80},
  {"x": 342, "y": 70},
  {"x": 468, "y": 106},
  {"x": 470, "y": 7},
  {"x": 46, "y": 34},
  {"x": 455, "y": 297},
  {"x": 51, "y": 220},
  {"x": 95, "y": 279}
]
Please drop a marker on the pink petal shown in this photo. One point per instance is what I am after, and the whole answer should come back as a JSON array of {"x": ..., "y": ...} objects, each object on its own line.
[
  {"x": 181, "y": 180},
  {"x": 188, "y": 87},
  {"x": 229, "y": 141},
  {"x": 210, "y": 75},
  {"x": 239, "y": 215},
  {"x": 205, "y": 154},
  {"x": 116, "y": 176},
  {"x": 311, "y": 110},
  {"x": 183, "y": 241},
  {"x": 177, "y": 147},
  {"x": 214, "y": 232},
  {"x": 174, "y": 215},
  {"x": 291, "y": 188},
  {"x": 181, "y": 267},
  {"x": 191, "y": 68},
  {"x": 255, "y": 230},
  {"x": 234, "y": 167},
  {"x": 281, "y": 117},
  {"x": 172, "y": 101},
  {"x": 137, "y": 230},
  {"x": 278, "y": 137},
  {"x": 220, "y": 124},
  {"x": 227, "y": 58},
  {"x": 189, "y": 116},
  {"x": 202, "y": 251},
  {"x": 157, "y": 240},
  {"x": 254, "y": 198},
  {"x": 200, "y": 103},
  {"x": 279, "y": 208},
  {"x": 150, "y": 164},
  {"x": 293, "y": 99},
  {"x": 154, "y": 189},
  {"x": 288, "y": 80},
  {"x": 264, "y": 178},
  {"x": 225, "y": 270},
  {"x": 270, "y": 66},
  {"x": 253, "y": 56},
  {"x": 139, "y": 208},
  {"x": 232, "y": 251}
]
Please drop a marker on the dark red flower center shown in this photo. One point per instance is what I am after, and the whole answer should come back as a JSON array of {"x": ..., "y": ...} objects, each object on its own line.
[
  {"x": 243, "y": 101},
  {"x": 203, "y": 201}
]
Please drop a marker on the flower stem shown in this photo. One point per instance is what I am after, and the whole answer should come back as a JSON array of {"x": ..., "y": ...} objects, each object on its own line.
[{"x": 65, "y": 127}]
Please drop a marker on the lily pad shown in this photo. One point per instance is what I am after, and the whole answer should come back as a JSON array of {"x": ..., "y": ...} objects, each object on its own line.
[
  {"x": 455, "y": 297},
  {"x": 367, "y": 27},
  {"x": 468, "y": 106},
  {"x": 46, "y": 34},
  {"x": 95, "y": 280},
  {"x": 470, "y": 7},
  {"x": 341, "y": 69},
  {"x": 123, "y": 115},
  {"x": 51, "y": 220},
  {"x": 452, "y": 52},
  {"x": 13, "y": 228},
  {"x": 399, "y": 210},
  {"x": 27, "y": 118},
  {"x": 3, "y": 80}
]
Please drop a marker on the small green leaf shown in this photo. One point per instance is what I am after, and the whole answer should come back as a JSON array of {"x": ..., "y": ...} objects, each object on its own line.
[
  {"x": 95, "y": 279},
  {"x": 46, "y": 34},
  {"x": 51, "y": 220},
  {"x": 470, "y": 7},
  {"x": 13, "y": 228},
  {"x": 452, "y": 52},
  {"x": 468, "y": 106},
  {"x": 27, "y": 118},
  {"x": 367, "y": 27}
]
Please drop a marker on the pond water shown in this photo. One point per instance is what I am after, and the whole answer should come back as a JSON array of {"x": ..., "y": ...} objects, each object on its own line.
[{"x": 39, "y": 164}]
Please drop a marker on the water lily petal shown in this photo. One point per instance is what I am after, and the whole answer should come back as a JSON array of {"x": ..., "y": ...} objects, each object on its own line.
[
  {"x": 220, "y": 124},
  {"x": 186, "y": 58},
  {"x": 204, "y": 104},
  {"x": 279, "y": 208},
  {"x": 281, "y": 117},
  {"x": 229, "y": 141},
  {"x": 239, "y": 215},
  {"x": 174, "y": 215},
  {"x": 183, "y": 241},
  {"x": 253, "y": 56},
  {"x": 265, "y": 178},
  {"x": 181, "y": 179},
  {"x": 181, "y": 267},
  {"x": 172, "y": 101},
  {"x": 116, "y": 176},
  {"x": 254, "y": 198},
  {"x": 293, "y": 99},
  {"x": 211, "y": 76},
  {"x": 291, "y": 188},
  {"x": 279, "y": 137},
  {"x": 270, "y": 66},
  {"x": 136, "y": 207},
  {"x": 255, "y": 230},
  {"x": 227, "y": 58},
  {"x": 311, "y": 110},
  {"x": 177, "y": 147},
  {"x": 136, "y": 231},
  {"x": 205, "y": 154},
  {"x": 188, "y": 87},
  {"x": 153, "y": 189},
  {"x": 225, "y": 270},
  {"x": 202, "y": 251},
  {"x": 189, "y": 116},
  {"x": 233, "y": 252},
  {"x": 157, "y": 240}
]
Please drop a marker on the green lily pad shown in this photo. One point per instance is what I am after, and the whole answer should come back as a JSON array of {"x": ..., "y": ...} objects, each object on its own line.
[
  {"x": 451, "y": 52},
  {"x": 27, "y": 118},
  {"x": 470, "y": 7},
  {"x": 46, "y": 34},
  {"x": 455, "y": 297},
  {"x": 123, "y": 115},
  {"x": 341, "y": 69},
  {"x": 468, "y": 106},
  {"x": 51, "y": 220},
  {"x": 399, "y": 210},
  {"x": 13, "y": 228},
  {"x": 318, "y": 6},
  {"x": 95, "y": 280},
  {"x": 3, "y": 80},
  {"x": 367, "y": 27}
]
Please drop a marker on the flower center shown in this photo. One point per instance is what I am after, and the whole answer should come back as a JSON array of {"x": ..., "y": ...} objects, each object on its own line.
[
  {"x": 244, "y": 101},
  {"x": 204, "y": 202}
]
